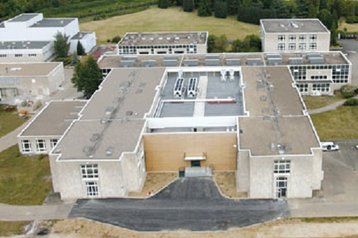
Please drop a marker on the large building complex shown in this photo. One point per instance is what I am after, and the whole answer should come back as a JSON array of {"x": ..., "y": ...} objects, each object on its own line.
[
  {"x": 29, "y": 81},
  {"x": 313, "y": 73},
  {"x": 248, "y": 119},
  {"x": 163, "y": 43},
  {"x": 25, "y": 36},
  {"x": 294, "y": 35}
]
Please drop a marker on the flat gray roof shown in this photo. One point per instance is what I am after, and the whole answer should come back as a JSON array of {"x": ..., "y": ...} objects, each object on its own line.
[
  {"x": 293, "y": 25},
  {"x": 276, "y": 136},
  {"x": 163, "y": 38},
  {"x": 54, "y": 119},
  {"x": 27, "y": 69},
  {"x": 270, "y": 91},
  {"x": 53, "y": 22},
  {"x": 6, "y": 45},
  {"x": 113, "y": 119},
  {"x": 276, "y": 120},
  {"x": 238, "y": 59},
  {"x": 24, "y": 17},
  {"x": 80, "y": 35}
]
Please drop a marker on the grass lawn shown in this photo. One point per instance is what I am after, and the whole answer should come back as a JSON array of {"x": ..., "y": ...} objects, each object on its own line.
[
  {"x": 349, "y": 27},
  {"x": 341, "y": 123},
  {"x": 24, "y": 180},
  {"x": 12, "y": 228},
  {"x": 313, "y": 102},
  {"x": 171, "y": 19},
  {"x": 9, "y": 121}
]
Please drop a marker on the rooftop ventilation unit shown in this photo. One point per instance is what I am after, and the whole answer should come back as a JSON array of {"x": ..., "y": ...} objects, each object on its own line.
[
  {"x": 232, "y": 62},
  {"x": 149, "y": 63},
  {"x": 295, "y": 60},
  {"x": 274, "y": 61},
  {"x": 212, "y": 62},
  {"x": 192, "y": 87},
  {"x": 294, "y": 25},
  {"x": 316, "y": 60},
  {"x": 191, "y": 62},
  {"x": 254, "y": 61},
  {"x": 109, "y": 151},
  {"x": 170, "y": 62},
  {"x": 178, "y": 87},
  {"x": 127, "y": 63}
]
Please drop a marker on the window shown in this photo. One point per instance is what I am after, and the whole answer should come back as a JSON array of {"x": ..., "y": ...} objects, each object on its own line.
[
  {"x": 313, "y": 37},
  {"x": 318, "y": 77},
  {"x": 3, "y": 55},
  {"x": 292, "y": 38},
  {"x": 282, "y": 166},
  {"x": 321, "y": 87},
  {"x": 40, "y": 145},
  {"x": 26, "y": 146},
  {"x": 303, "y": 88},
  {"x": 302, "y": 46},
  {"x": 18, "y": 55},
  {"x": 281, "y": 46},
  {"x": 313, "y": 46},
  {"x": 302, "y": 37},
  {"x": 281, "y": 38},
  {"x": 53, "y": 142},
  {"x": 32, "y": 55},
  {"x": 89, "y": 171},
  {"x": 292, "y": 46},
  {"x": 92, "y": 188}
]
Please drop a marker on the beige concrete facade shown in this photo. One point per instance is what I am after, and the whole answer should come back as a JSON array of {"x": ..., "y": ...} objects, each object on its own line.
[{"x": 167, "y": 152}]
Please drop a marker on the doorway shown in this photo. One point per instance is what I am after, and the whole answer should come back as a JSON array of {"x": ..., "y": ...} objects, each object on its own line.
[
  {"x": 195, "y": 163},
  {"x": 281, "y": 187}
]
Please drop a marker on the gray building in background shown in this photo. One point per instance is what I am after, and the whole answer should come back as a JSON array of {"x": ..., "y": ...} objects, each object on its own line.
[
  {"x": 152, "y": 43},
  {"x": 294, "y": 35}
]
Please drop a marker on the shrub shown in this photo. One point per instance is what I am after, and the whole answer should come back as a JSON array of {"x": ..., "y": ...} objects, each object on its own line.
[
  {"x": 351, "y": 102},
  {"x": 116, "y": 39},
  {"x": 220, "y": 9},
  {"x": 163, "y": 4},
  {"x": 348, "y": 91},
  {"x": 188, "y": 5}
]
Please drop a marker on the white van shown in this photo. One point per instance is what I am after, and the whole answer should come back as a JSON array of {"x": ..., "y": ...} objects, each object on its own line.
[{"x": 329, "y": 146}]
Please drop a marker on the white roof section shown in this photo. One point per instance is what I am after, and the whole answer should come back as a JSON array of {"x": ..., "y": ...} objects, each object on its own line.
[{"x": 294, "y": 25}]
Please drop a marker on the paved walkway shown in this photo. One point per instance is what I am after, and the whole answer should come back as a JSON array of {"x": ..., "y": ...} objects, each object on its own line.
[
  {"x": 329, "y": 107},
  {"x": 29, "y": 213},
  {"x": 10, "y": 139}
]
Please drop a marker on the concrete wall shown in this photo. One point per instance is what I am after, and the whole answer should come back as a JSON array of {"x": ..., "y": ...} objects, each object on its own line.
[
  {"x": 88, "y": 42},
  {"x": 201, "y": 49},
  {"x": 306, "y": 175},
  {"x": 42, "y": 55},
  {"x": 67, "y": 180},
  {"x": 270, "y": 42},
  {"x": 166, "y": 152}
]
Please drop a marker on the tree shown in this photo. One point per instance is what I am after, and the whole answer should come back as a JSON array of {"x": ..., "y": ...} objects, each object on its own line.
[
  {"x": 87, "y": 77},
  {"x": 326, "y": 18},
  {"x": 163, "y": 4},
  {"x": 211, "y": 43},
  {"x": 220, "y": 9},
  {"x": 204, "y": 8},
  {"x": 188, "y": 5},
  {"x": 80, "y": 49},
  {"x": 61, "y": 45}
]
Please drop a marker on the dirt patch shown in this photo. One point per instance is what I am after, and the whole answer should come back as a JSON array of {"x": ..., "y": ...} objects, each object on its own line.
[
  {"x": 154, "y": 183},
  {"x": 227, "y": 184},
  {"x": 79, "y": 228}
]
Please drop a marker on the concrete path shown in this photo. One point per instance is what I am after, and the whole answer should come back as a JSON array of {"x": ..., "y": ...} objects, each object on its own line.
[
  {"x": 329, "y": 107},
  {"x": 29, "y": 213},
  {"x": 10, "y": 139}
]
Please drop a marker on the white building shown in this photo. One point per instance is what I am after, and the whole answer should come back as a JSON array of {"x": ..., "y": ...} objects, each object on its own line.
[
  {"x": 29, "y": 81},
  {"x": 247, "y": 119},
  {"x": 294, "y": 35},
  {"x": 41, "y": 135},
  {"x": 31, "y": 27},
  {"x": 26, "y": 51},
  {"x": 163, "y": 43}
]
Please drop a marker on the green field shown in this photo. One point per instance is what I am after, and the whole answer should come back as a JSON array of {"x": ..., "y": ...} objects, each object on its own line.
[
  {"x": 172, "y": 19},
  {"x": 97, "y": 9},
  {"x": 9, "y": 121},
  {"x": 314, "y": 102},
  {"x": 24, "y": 180},
  {"x": 341, "y": 123}
]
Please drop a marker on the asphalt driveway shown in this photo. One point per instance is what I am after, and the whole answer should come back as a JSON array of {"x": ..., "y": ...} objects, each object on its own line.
[{"x": 188, "y": 203}]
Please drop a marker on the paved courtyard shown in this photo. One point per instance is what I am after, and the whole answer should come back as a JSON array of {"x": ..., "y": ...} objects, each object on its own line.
[{"x": 188, "y": 203}]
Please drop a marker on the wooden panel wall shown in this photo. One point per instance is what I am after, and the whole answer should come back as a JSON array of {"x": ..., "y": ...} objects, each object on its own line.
[{"x": 165, "y": 152}]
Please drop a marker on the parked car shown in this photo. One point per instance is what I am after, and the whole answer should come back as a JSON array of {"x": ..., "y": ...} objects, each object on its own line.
[{"x": 329, "y": 146}]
